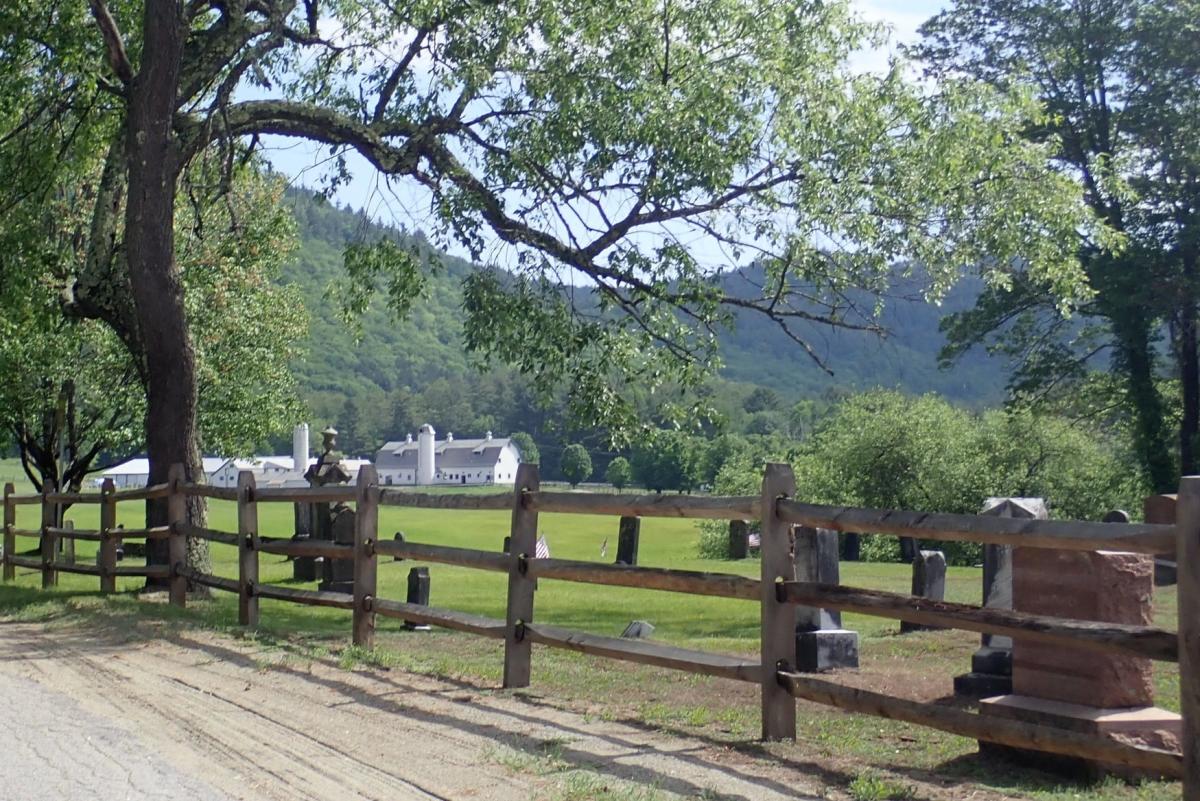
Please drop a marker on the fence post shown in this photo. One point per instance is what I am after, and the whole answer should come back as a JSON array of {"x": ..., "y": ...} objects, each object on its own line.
[
  {"x": 10, "y": 539},
  {"x": 108, "y": 542},
  {"x": 778, "y": 645},
  {"x": 247, "y": 549},
  {"x": 49, "y": 540},
  {"x": 1187, "y": 526},
  {"x": 366, "y": 532},
  {"x": 522, "y": 546},
  {"x": 177, "y": 540}
]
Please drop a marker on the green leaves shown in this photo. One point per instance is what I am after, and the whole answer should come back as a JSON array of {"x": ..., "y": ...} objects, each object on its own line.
[
  {"x": 246, "y": 328},
  {"x": 576, "y": 464},
  {"x": 383, "y": 264}
]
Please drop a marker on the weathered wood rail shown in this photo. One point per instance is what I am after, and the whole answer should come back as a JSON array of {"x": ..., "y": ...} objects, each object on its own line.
[
  {"x": 109, "y": 534},
  {"x": 776, "y": 590}
]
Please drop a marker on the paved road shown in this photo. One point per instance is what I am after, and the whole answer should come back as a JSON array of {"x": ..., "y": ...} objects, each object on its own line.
[{"x": 54, "y": 750}]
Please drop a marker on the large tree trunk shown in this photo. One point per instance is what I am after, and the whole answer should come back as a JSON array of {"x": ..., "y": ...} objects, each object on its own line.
[
  {"x": 1189, "y": 369},
  {"x": 154, "y": 167},
  {"x": 1135, "y": 358}
]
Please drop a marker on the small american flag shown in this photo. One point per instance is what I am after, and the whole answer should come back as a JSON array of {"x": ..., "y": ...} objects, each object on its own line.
[
  {"x": 604, "y": 549},
  {"x": 542, "y": 551}
]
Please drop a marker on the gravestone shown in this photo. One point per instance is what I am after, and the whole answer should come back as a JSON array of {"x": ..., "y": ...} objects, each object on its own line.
[
  {"x": 637, "y": 630},
  {"x": 134, "y": 550},
  {"x": 66, "y": 545},
  {"x": 908, "y": 549},
  {"x": 327, "y": 470},
  {"x": 1161, "y": 509},
  {"x": 928, "y": 581},
  {"x": 739, "y": 539},
  {"x": 851, "y": 546},
  {"x": 507, "y": 542},
  {"x": 1079, "y": 689},
  {"x": 627, "y": 540},
  {"x": 418, "y": 593},
  {"x": 398, "y": 537},
  {"x": 337, "y": 575},
  {"x": 991, "y": 664},
  {"x": 821, "y": 642}
]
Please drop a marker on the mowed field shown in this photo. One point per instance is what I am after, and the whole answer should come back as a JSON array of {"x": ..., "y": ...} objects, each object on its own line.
[
  {"x": 916, "y": 665},
  {"x": 714, "y": 623}
]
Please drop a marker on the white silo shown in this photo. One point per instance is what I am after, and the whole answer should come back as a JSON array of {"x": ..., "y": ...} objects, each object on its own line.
[
  {"x": 425, "y": 442},
  {"x": 300, "y": 448}
]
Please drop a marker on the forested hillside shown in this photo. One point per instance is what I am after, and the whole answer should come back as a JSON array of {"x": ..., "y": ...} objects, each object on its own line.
[{"x": 403, "y": 373}]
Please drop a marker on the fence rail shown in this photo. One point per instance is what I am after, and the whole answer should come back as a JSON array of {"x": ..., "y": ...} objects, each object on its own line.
[
  {"x": 776, "y": 590},
  {"x": 1063, "y": 535}
]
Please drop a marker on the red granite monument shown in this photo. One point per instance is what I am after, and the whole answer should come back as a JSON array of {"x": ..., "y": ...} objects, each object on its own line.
[{"x": 1079, "y": 689}]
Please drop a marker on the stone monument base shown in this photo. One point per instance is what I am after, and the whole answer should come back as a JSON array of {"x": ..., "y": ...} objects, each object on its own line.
[
  {"x": 981, "y": 685},
  {"x": 828, "y": 649},
  {"x": 991, "y": 674},
  {"x": 306, "y": 568},
  {"x": 1143, "y": 725}
]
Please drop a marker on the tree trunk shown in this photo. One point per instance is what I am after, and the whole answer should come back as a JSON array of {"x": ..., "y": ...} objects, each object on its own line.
[
  {"x": 1189, "y": 369},
  {"x": 1134, "y": 358},
  {"x": 154, "y": 167}
]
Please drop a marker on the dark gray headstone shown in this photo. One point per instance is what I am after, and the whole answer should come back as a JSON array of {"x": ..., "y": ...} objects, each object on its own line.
[
  {"x": 338, "y": 574},
  {"x": 821, "y": 642},
  {"x": 928, "y": 581},
  {"x": 418, "y": 593},
  {"x": 908, "y": 549},
  {"x": 991, "y": 665},
  {"x": 816, "y": 559},
  {"x": 627, "y": 540},
  {"x": 818, "y": 651},
  {"x": 307, "y": 568},
  {"x": 507, "y": 543},
  {"x": 303, "y": 520},
  {"x": 304, "y": 568},
  {"x": 1116, "y": 516},
  {"x": 739, "y": 539},
  {"x": 637, "y": 630},
  {"x": 851, "y": 546},
  {"x": 398, "y": 537}
]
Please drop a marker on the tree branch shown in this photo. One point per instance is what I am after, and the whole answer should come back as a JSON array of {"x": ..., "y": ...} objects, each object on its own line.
[{"x": 118, "y": 59}]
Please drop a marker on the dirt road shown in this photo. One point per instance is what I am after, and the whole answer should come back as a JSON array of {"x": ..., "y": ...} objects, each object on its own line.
[{"x": 200, "y": 716}]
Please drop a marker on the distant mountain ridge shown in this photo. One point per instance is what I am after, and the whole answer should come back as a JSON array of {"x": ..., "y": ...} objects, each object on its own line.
[{"x": 428, "y": 345}]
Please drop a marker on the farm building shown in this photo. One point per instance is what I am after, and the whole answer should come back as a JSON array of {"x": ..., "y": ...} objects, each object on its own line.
[
  {"x": 428, "y": 460},
  {"x": 279, "y": 471},
  {"x": 136, "y": 472},
  {"x": 220, "y": 471}
]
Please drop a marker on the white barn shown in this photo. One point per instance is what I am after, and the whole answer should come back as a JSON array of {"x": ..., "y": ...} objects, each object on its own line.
[
  {"x": 136, "y": 472},
  {"x": 430, "y": 461}
]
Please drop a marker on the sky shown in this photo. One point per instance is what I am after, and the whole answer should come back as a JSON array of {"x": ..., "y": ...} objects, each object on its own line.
[{"x": 302, "y": 162}]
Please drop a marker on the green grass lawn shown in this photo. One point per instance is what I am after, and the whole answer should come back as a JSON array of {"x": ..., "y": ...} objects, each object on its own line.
[{"x": 856, "y": 748}]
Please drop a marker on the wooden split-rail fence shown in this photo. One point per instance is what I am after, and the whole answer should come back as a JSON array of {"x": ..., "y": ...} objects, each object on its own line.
[{"x": 776, "y": 591}]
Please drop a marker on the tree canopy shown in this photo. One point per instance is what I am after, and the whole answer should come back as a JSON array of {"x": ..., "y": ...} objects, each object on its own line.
[
  {"x": 1120, "y": 82},
  {"x": 610, "y": 161},
  {"x": 576, "y": 464}
]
